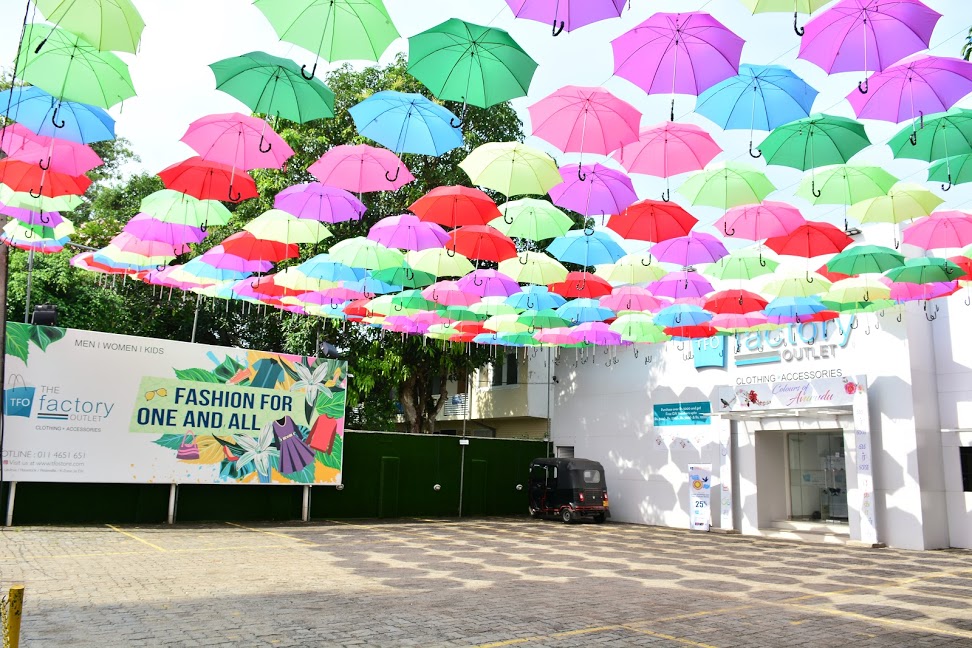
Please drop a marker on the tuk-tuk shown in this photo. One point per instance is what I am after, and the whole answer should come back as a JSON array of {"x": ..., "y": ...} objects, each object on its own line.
[{"x": 569, "y": 489}]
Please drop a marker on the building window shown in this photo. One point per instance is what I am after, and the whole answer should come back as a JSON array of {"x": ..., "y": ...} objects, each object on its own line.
[
  {"x": 497, "y": 373},
  {"x": 462, "y": 383},
  {"x": 565, "y": 452},
  {"x": 965, "y": 456},
  {"x": 512, "y": 378}
]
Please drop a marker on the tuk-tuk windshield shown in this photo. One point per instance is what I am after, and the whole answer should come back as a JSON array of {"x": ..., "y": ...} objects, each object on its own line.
[{"x": 592, "y": 477}]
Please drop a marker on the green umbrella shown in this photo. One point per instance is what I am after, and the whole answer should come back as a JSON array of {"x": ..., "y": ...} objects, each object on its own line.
[
  {"x": 491, "y": 307},
  {"x": 865, "y": 259},
  {"x": 942, "y": 135},
  {"x": 440, "y": 262},
  {"x": 858, "y": 306},
  {"x": 19, "y": 230},
  {"x": 795, "y": 285},
  {"x": 511, "y": 168},
  {"x": 632, "y": 269},
  {"x": 461, "y": 314},
  {"x": 404, "y": 275},
  {"x": 273, "y": 86},
  {"x": 956, "y": 169},
  {"x": 726, "y": 185},
  {"x": 384, "y": 305},
  {"x": 479, "y": 66},
  {"x": 905, "y": 201},
  {"x": 359, "y": 252},
  {"x": 637, "y": 327},
  {"x": 24, "y": 200},
  {"x": 844, "y": 184},
  {"x": 925, "y": 270},
  {"x": 795, "y": 6},
  {"x": 506, "y": 323},
  {"x": 172, "y": 206},
  {"x": 283, "y": 227},
  {"x": 412, "y": 300},
  {"x": 334, "y": 30},
  {"x": 743, "y": 265},
  {"x": 546, "y": 318},
  {"x": 109, "y": 25},
  {"x": 533, "y": 268},
  {"x": 531, "y": 219},
  {"x": 815, "y": 141},
  {"x": 856, "y": 290},
  {"x": 70, "y": 68}
]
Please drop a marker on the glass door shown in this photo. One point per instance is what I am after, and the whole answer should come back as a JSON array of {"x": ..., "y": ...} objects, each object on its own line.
[{"x": 818, "y": 478}]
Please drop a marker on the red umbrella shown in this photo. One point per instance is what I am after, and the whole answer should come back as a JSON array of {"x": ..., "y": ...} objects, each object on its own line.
[
  {"x": 268, "y": 286},
  {"x": 831, "y": 276},
  {"x": 31, "y": 178},
  {"x": 455, "y": 206},
  {"x": 965, "y": 263},
  {"x": 358, "y": 308},
  {"x": 697, "y": 331},
  {"x": 734, "y": 302},
  {"x": 581, "y": 284},
  {"x": 208, "y": 180},
  {"x": 821, "y": 316},
  {"x": 481, "y": 242},
  {"x": 247, "y": 246},
  {"x": 809, "y": 240},
  {"x": 652, "y": 220}
]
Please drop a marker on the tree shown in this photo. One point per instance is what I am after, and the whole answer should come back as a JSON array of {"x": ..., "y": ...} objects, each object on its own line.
[{"x": 967, "y": 48}]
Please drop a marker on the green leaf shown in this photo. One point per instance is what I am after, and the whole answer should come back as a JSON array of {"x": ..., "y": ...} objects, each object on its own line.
[
  {"x": 331, "y": 405},
  {"x": 268, "y": 373},
  {"x": 198, "y": 375},
  {"x": 305, "y": 476},
  {"x": 333, "y": 460},
  {"x": 170, "y": 441},
  {"x": 227, "y": 369},
  {"x": 17, "y": 337},
  {"x": 44, "y": 336}
]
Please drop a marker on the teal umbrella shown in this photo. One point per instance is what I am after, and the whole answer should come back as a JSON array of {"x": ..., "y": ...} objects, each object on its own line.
[{"x": 818, "y": 140}]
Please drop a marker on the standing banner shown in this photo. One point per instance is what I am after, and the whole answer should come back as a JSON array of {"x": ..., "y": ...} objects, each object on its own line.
[
  {"x": 81, "y": 406},
  {"x": 700, "y": 479}
]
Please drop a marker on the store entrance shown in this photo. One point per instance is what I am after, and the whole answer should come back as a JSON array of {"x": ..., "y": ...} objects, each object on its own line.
[{"x": 817, "y": 476}]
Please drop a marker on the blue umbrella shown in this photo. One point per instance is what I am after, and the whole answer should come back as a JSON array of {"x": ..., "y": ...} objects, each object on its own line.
[
  {"x": 783, "y": 310},
  {"x": 760, "y": 97},
  {"x": 407, "y": 123},
  {"x": 585, "y": 248},
  {"x": 535, "y": 298},
  {"x": 678, "y": 315},
  {"x": 372, "y": 286},
  {"x": 583, "y": 310},
  {"x": 199, "y": 268},
  {"x": 322, "y": 267},
  {"x": 68, "y": 120}
]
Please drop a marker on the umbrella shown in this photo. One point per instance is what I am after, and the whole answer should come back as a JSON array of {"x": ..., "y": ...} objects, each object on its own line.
[
  {"x": 856, "y": 290},
  {"x": 32, "y": 217},
  {"x": 477, "y": 65},
  {"x": 337, "y": 30},
  {"x": 491, "y": 307},
  {"x": 315, "y": 201},
  {"x": 904, "y": 201},
  {"x": 865, "y": 259},
  {"x": 439, "y": 262},
  {"x": 585, "y": 248},
  {"x": 809, "y": 240},
  {"x": 796, "y": 6},
  {"x": 944, "y": 135},
  {"x": 557, "y": 336},
  {"x": 533, "y": 268},
  {"x": 481, "y": 242},
  {"x": 511, "y": 168},
  {"x": 682, "y": 315},
  {"x": 246, "y": 245},
  {"x": 50, "y": 117},
  {"x": 536, "y": 298},
  {"x": 631, "y": 298},
  {"x": 239, "y": 141},
  {"x": 597, "y": 333},
  {"x": 843, "y": 184},
  {"x": 278, "y": 225},
  {"x": 406, "y": 123},
  {"x": 403, "y": 275},
  {"x": 757, "y": 222},
  {"x": 925, "y": 270},
  {"x": 818, "y": 140},
  {"x": 507, "y": 323},
  {"x": 783, "y": 310},
  {"x": 782, "y": 284},
  {"x": 407, "y": 232},
  {"x": 546, "y": 318},
  {"x": 145, "y": 227},
  {"x": 126, "y": 242},
  {"x": 639, "y": 328},
  {"x": 38, "y": 181},
  {"x": 581, "y": 284},
  {"x": 109, "y": 25},
  {"x": 601, "y": 191},
  {"x": 489, "y": 283},
  {"x": 24, "y": 200},
  {"x": 271, "y": 85},
  {"x": 359, "y": 252},
  {"x": 743, "y": 265},
  {"x": 726, "y": 185},
  {"x": 867, "y": 35},
  {"x": 902, "y": 292},
  {"x": 734, "y": 302},
  {"x": 760, "y": 97},
  {"x": 668, "y": 149},
  {"x": 652, "y": 220},
  {"x": 531, "y": 219},
  {"x": 218, "y": 257},
  {"x": 687, "y": 251},
  {"x": 182, "y": 209},
  {"x": 571, "y": 14},
  {"x": 955, "y": 169},
  {"x": 681, "y": 53},
  {"x": 631, "y": 269},
  {"x": 454, "y": 206},
  {"x": 735, "y": 323},
  {"x": 947, "y": 229},
  {"x": 324, "y": 268},
  {"x": 578, "y": 119},
  {"x": 49, "y": 153},
  {"x": 697, "y": 332},
  {"x": 681, "y": 284},
  {"x": 578, "y": 311},
  {"x": 70, "y": 68},
  {"x": 361, "y": 169},
  {"x": 208, "y": 180}
]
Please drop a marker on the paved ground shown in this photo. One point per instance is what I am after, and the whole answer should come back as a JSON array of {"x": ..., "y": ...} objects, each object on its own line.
[{"x": 501, "y": 582}]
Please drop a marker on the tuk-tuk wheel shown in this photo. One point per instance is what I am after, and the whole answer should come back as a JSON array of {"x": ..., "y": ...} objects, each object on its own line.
[
  {"x": 534, "y": 513},
  {"x": 566, "y": 515},
  {"x": 599, "y": 518}
]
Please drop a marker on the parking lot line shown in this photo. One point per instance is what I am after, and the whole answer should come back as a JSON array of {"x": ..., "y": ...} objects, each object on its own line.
[
  {"x": 556, "y": 635},
  {"x": 135, "y": 537},
  {"x": 662, "y": 635},
  {"x": 272, "y": 533}
]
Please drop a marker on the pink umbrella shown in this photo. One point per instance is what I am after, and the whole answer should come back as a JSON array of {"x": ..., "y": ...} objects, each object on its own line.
[
  {"x": 681, "y": 53},
  {"x": 668, "y": 149},
  {"x": 946, "y": 229},
  {"x": 429, "y": 318},
  {"x": 595, "y": 190},
  {"x": 555, "y": 336},
  {"x": 906, "y": 292},
  {"x": 632, "y": 298},
  {"x": 126, "y": 242},
  {"x": 686, "y": 251},
  {"x": 404, "y": 324},
  {"x": 578, "y": 120},
  {"x": 315, "y": 201},
  {"x": 678, "y": 285},
  {"x": 489, "y": 283},
  {"x": 57, "y": 155},
  {"x": 867, "y": 35},
  {"x": 738, "y": 322},
  {"x": 449, "y": 293},
  {"x": 570, "y": 13},
  {"x": 757, "y": 222},
  {"x": 144, "y": 227},
  {"x": 408, "y": 232},
  {"x": 597, "y": 333},
  {"x": 361, "y": 169},
  {"x": 29, "y": 217},
  {"x": 219, "y": 258},
  {"x": 238, "y": 141}
]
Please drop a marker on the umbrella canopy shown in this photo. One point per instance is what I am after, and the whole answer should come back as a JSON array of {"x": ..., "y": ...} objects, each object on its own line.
[
  {"x": 815, "y": 141},
  {"x": 546, "y": 318},
  {"x": 533, "y": 268},
  {"x": 361, "y": 169},
  {"x": 531, "y": 219},
  {"x": 632, "y": 298},
  {"x": 865, "y": 259},
  {"x": 218, "y": 257},
  {"x": 24, "y": 200},
  {"x": 70, "y": 68},
  {"x": 439, "y": 262},
  {"x": 359, "y": 252},
  {"x": 315, "y": 201},
  {"x": 639, "y": 328},
  {"x": 734, "y": 302},
  {"x": 407, "y": 232},
  {"x": 566, "y": 14},
  {"x": 324, "y": 268},
  {"x": 905, "y": 201},
  {"x": 246, "y": 245},
  {"x": 947, "y": 229},
  {"x": 905, "y": 292},
  {"x": 681, "y": 53},
  {"x": 535, "y": 298},
  {"x": 583, "y": 309},
  {"x": 632, "y": 269},
  {"x": 403, "y": 275},
  {"x": 809, "y": 240},
  {"x": 783, "y": 310},
  {"x": 668, "y": 149},
  {"x": 273, "y": 86},
  {"x": 944, "y": 135},
  {"x": 109, "y": 25},
  {"x": 796, "y": 6},
  {"x": 652, "y": 220},
  {"x": 856, "y": 290},
  {"x": 37, "y": 181},
  {"x": 690, "y": 250},
  {"x": 481, "y": 242},
  {"x": 581, "y": 284},
  {"x": 407, "y": 123},
  {"x": 757, "y": 222},
  {"x": 488, "y": 283},
  {"x": 237, "y": 140},
  {"x": 182, "y": 209},
  {"x": 48, "y": 116},
  {"x": 208, "y": 180},
  {"x": 596, "y": 333},
  {"x": 956, "y": 169},
  {"x": 925, "y": 270},
  {"x": 726, "y": 185},
  {"x": 278, "y": 225},
  {"x": 511, "y": 168},
  {"x": 681, "y": 284},
  {"x": 742, "y": 265},
  {"x": 843, "y": 184},
  {"x": 585, "y": 248},
  {"x": 477, "y": 65},
  {"x": 783, "y": 284},
  {"x": 53, "y": 154},
  {"x": 601, "y": 191},
  {"x": 735, "y": 323},
  {"x": 455, "y": 206},
  {"x": 145, "y": 227},
  {"x": 682, "y": 315},
  {"x": 31, "y": 217}
]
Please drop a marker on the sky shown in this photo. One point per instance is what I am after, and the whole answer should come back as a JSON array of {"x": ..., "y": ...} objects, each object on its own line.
[{"x": 182, "y": 37}]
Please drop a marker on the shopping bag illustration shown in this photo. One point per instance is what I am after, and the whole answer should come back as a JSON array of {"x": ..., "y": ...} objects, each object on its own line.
[{"x": 18, "y": 398}]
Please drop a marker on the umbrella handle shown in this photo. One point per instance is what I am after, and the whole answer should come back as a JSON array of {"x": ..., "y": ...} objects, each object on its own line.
[
  {"x": 913, "y": 138},
  {"x": 648, "y": 360},
  {"x": 397, "y": 171},
  {"x": 921, "y": 119},
  {"x": 898, "y": 317},
  {"x": 523, "y": 260},
  {"x": 529, "y": 307},
  {"x": 666, "y": 197},
  {"x": 204, "y": 226},
  {"x": 303, "y": 71},
  {"x": 44, "y": 167},
  {"x": 809, "y": 278},
  {"x": 462, "y": 117},
  {"x": 680, "y": 346},
  {"x": 450, "y": 252},
  {"x": 588, "y": 229},
  {"x": 862, "y": 86},
  {"x": 855, "y": 324},
  {"x": 556, "y": 31},
  {"x": 944, "y": 188},
  {"x": 725, "y": 228},
  {"x": 813, "y": 339},
  {"x": 796, "y": 25},
  {"x": 44, "y": 218},
  {"x": 409, "y": 274},
  {"x": 897, "y": 243},
  {"x": 507, "y": 218},
  {"x": 233, "y": 198},
  {"x": 930, "y": 318},
  {"x": 762, "y": 261},
  {"x": 867, "y": 296},
  {"x": 269, "y": 145},
  {"x": 580, "y": 174},
  {"x": 813, "y": 189},
  {"x": 40, "y": 45},
  {"x": 160, "y": 268},
  {"x": 757, "y": 154},
  {"x": 968, "y": 299},
  {"x": 255, "y": 283},
  {"x": 646, "y": 264},
  {"x": 678, "y": 318},
  {"x": 54, "y": 118},
  {"x": 477, "y": 281},
  {"x": 34, "y": 195}
]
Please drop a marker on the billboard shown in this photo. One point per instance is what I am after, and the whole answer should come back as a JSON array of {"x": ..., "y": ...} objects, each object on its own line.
[{"x": 81, "y": 406}]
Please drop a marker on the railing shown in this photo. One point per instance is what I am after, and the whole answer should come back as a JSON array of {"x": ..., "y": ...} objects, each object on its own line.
[{"x": 456, "y": 405}]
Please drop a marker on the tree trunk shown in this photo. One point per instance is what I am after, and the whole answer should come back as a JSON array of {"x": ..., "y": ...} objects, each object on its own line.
[
  {"x": 406, "y": 396},
  {"x": 432, "y": 408}
]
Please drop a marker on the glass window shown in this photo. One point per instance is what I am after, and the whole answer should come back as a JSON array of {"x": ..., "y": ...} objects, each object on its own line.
[
  {"x": 497, "y": 373},
  {"x": 965, "y": 456},
  {"x": 511, "y": 369},
  {"x": 592, "y": 477}
]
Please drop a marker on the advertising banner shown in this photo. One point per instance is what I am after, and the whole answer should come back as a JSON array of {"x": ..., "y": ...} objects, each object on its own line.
[
  {"x": 700, "y": 479},
  {"x": 682, "y": 426},
  {"x": 821, "y": 392},
  {"x": 81, "y": 406}
]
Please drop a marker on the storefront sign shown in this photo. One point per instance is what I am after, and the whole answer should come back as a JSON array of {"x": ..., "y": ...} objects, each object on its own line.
[
  {"x": 700, "y": 478},
  {"x": 822, "y": 392},
  {"x": 670, "y": 414},
  {"x": 710, "y": 352},
  {"x": 94, "y": 407},
  {"x": 794, "y": 343}
]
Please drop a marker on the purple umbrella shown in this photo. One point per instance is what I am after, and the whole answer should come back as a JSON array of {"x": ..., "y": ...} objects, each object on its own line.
[
  {"x": 144, "y": 226},
  {"x": 28, "y": 217},
  {"x": 686, "y": 251},
  {"x": 679, "y": 285},
  {"x": 408, "y": 232},
  {"x": 571, "y": 14},
  {"x": 219, "y": 258},
  {"x": 602, "y": 191},
  {"x": 488, "y": 283},
  {"x": 681, "y": 53},
  {"x": 597, "y": 333},
  {"x": 905, "y": 292},
  {"x": 867, "y": 35},
  {"x": 316, "y": 201}
]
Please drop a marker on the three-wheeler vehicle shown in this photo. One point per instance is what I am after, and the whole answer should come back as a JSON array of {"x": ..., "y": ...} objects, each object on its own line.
[{"x": 569, "y": 489}]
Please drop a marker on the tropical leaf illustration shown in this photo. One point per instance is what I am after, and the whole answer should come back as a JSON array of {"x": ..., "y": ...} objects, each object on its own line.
[
  {"x": 170, "y": 441},
  {"x": 227, "y": 369},
  {"x": 331, "y": 404},
  {"x": 198, "y": 375},
  {"x": 18, "y": 335},
  {"x": 44, "y": 336},
  {"x": 333, "y": 460}
]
